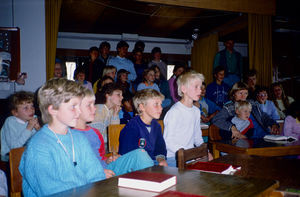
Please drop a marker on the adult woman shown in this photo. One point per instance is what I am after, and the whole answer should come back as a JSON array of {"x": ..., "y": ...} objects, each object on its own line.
[
  {"x": 280, "y": 100},
  {"x": 261, "y": 120}
]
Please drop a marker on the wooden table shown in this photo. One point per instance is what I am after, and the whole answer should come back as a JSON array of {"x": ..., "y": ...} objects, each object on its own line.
[
  {"x": 188, "y": 181},
  {"x": 255, "y": 147},
  {"x": 286, "y": 171}
]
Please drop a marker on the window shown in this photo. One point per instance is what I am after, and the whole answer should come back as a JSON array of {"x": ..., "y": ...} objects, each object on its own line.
[
  {"x": 71, "y": 66},
  {"x": 170, "y": 69}
]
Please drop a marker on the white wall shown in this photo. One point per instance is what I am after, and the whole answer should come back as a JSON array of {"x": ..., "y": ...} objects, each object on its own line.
[{"x": 29, "y": 16}]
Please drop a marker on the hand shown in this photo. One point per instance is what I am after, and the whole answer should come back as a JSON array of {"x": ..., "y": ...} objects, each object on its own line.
[
  {"x": 37, "y": 126},
  {"x": 32, "y": 123},
  {"x": 163, "y": 163},
  {"x": 204, "y": 119},
  {"x": 275, "y": 129},
  {"x": 112, "y": 158},
  {"x": 236, "y": 134},
  {"x": 109, "y": 173}
]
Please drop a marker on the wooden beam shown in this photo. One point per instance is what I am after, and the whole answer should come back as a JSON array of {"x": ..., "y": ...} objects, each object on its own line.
[{"x": 263, "y": 7}]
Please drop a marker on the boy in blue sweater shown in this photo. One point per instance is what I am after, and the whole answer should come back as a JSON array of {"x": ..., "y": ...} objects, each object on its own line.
[
  {"x": 143, "y": 131},
  {"x": 58, "y": 158},
  {"x": 19, "y": 127},
  {"x": 116, "y": 164}
]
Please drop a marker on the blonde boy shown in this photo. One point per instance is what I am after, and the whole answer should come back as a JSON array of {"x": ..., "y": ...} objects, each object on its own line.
[
  {"x": 143, "y": 131},
  {"x": 58, "y": 158},
  {"x": 19, "y": 127},
  {"x": 114, "y": 165},
  {"x": 182, "y": 121}
]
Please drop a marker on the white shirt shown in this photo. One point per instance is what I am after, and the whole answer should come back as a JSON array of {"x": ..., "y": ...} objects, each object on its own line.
[{"x": 182, "y": 128}]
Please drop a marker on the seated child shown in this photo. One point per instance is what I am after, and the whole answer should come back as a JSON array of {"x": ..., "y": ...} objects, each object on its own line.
[
  {"x": 148, "y": 80},
  {"x": 19, "y": 127},
  {"x": 291, "y": 125},
  {"x": 108, "y": 105},
  {"x": 116, "y": 164},
  {"x": 127, "y": 112},
  {"x": 79, "y": 77},
  {"x": 122, "y": 78},
  {"x": 143, "y": 131},
  {"x": 208, "y": 108},
  {"x": 182, "y": 121},
  {"x": 109, "y": 71},
  {"x": 58, "y": 158},
  {"x": 242, "y": 120},
  {"x": 3, "y": 184},
  {"x": 266, "y": 105},
  {"x": 105, "y": 80}
]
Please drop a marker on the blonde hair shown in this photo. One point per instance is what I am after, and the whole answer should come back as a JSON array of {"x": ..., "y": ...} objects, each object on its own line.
[
  {"x": 142, "y": 96},
  {"x": 237, "y": 87},
  {"x": 55, "y": 92},
  {"x": 186, "y": 78},
  {"x": 88, "y": 93},
  {"x": 238, "y": 105},
  {"x": 108, "y": 69}
]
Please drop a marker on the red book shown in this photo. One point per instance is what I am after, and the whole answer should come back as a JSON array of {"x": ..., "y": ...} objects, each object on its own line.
[
  {"x": 176, "y": 194},
  {"x": 221, "y": 168},
  {"x": 149, "y": 181}
]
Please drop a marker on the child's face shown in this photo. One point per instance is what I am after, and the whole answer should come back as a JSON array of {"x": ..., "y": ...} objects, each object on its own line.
[
  {"x": 277, "y": 92},
  {"x": 157, "y": 73},
  {"x": 203, "y": 90},
  {"x": 104, "y": 51},
  {"x": 220, "y": 76},
  {"x": 106, "y": 82},
  {"x": 157, "y": 55},
  {"x": 252, "y": 81},
  {"x": 123, "y": 51},
  {"x": 112, "y": 74},
  {"x": 240, "y": 95},
  {"x": 179, "y": 71},
  {"x": 81, "y": 77},
  {"x": 123, "y": 77},
  {"x": 138, "y": 56},
  {"x": 68, "y": 113},
  {"x": 243, "y": 113},
  {"x": 24, "y": 111},
  {"x": 150, "y": 77},
  {"x": 116, "y": 97},
  {"x": 94, "y": 55},
  {"x": 88, "y": 109},
  {"x": 152, "y": 109},
  {"x": 128, "y": 106},
  {"x": 262, "y": 97},
  {"x": 192, "y": 90},
  {"x": 57, "y": 70}
]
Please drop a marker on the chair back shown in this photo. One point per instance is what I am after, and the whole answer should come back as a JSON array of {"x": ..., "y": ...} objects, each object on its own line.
[
  {"x": 15, "y": 176},
  {"x": 114, "y": 131},
  {"x": 214, "y": 133},
  {"x": 199, "y": 153}
]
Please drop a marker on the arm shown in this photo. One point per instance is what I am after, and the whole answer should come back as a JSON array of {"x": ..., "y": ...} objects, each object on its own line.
[
  {"x": 132, "y": 74},
  {"x": 221, "y": 119},
  {"x": 170, "y": 132},
  {"x": 198, "y": 133},
  {"x": 274, "y": 112}
]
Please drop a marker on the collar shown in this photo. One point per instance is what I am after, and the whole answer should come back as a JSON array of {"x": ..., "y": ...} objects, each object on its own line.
[{"x": 20, "y": 121}]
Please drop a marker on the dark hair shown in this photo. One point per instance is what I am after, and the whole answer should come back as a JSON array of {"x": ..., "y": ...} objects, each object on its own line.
[
  {"x": 106, "y": 89},
  {"x": 284, "y": 98},
  {"x": 121, "y": 44},
  {"x": 127, "y": 96},
  {"x": 104, "y": 44},
  {"x": 99, "y": 84},
  {"x": 261, "y": 89},
  {"x": 79, "y": 69},
  {"x": 139, "y": 45},
  {"x": 136, "y": 50},
  {"x": 155, "y": 50},
  {"x": 250, "y": 73},
  {"x": 177, "y": 66},
  {"x": 218, "y": 69},
  {"x": 294, "y": 109},
  {"x": 94, "y": 48},
  {"x": 19, "y": 98}
]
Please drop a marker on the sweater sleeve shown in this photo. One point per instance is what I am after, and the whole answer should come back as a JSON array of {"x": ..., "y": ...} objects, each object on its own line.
[
  {"x": 132, "y": 74},
  {"x": 221, "y": 119},
  {"x": 274, "y": 112},
  {"x": 288, "y": 127},
  {"x": 170, "y": 129},
  {"x": 128, "y": 139},
  {"x": 198, "y": 133},
  {"x": 160, "y": 146}
]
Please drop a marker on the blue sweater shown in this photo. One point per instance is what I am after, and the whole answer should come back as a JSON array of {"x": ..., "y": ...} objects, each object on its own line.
[
  {"x": 136, "y": 129},
  {"x": 123, "y": 63},
  {"x": 217, "y": 93},
  {"x": 270, "y": 109},
  {"x": 46, "y": 168}
]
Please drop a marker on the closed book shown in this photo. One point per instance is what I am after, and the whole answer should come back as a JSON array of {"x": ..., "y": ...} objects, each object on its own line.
[
  {"x": 149, "y": 181},
  {"x": 221, "y": 168},
  {"x": 177, "y": 194},
  {"x": 279, "y": 138}
]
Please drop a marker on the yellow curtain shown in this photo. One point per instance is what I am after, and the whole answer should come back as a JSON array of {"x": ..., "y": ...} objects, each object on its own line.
[
  {"x": 52, "y": 9},
  {"x": 260, "y": 47},
  {"x": 203, "y": 53}
]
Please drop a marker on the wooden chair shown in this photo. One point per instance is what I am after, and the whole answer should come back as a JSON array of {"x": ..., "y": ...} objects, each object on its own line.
[
  {"x": 213, "y": 133},
  {"x": 198, "y": 153},
  {"x": 15, "y": 176},
  {"x": 114, "y": 133}
]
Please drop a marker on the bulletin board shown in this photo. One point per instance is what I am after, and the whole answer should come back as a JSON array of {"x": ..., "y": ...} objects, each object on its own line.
[{"x": 9, "y": 53}]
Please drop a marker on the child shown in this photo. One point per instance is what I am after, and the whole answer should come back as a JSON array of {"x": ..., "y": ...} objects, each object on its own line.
[
  {"x": 143, "y": 131},
  {"x": 127, "y": 112},
  {"x": 182, "y": 121},
  {"x": 19, "y": 127},
  {"x": 208, "y": 108},
  {"x": 217, "y": 91},
  {"x": 58, "y": 158},
  {"x": 108, "y": 106},
  {"x": 79, "y": 77},
  {"x": 266, "y": 105},
  {"x": 114, "y": 165},
  {"x": 122, "y": 78},
  {"x": 177, "y": 71},
  {"x": 105, "y": 80},
  {"x": 242, "y": 120},
  {"x": 163, "y": 86},
  {"x": 291, "y": 125},
  {"x": 3, "y": 184},
  {"x": 148, "y": 82},
  {"x": 107, "y": 71}
]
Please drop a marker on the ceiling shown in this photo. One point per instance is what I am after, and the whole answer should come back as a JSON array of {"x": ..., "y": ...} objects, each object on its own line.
[{"x": 149, "y": 19}]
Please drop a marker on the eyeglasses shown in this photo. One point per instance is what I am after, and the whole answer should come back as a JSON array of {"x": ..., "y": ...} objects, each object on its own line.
[{"x": 261, "y": 95}]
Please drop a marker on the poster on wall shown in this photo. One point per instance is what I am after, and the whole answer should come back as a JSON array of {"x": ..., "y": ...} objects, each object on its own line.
[{"x": 5, "y": 60}]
